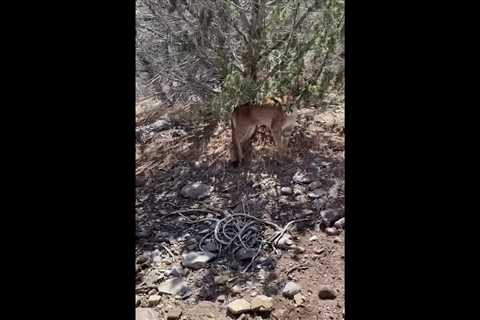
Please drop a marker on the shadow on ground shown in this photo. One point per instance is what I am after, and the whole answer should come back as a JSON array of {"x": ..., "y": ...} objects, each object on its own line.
[{"x": 203, "y": 156}]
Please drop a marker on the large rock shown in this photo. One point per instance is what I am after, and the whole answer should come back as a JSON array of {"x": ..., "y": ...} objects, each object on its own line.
[
  {"x": 238, "y": 306},
  {"x": 197, "y": 260},
  {"x": 330, "y": 216},
  {"x": 173, "y": 286},
  {"x": 196, "y": 191},
  {"x": 262, "y": 303},
  {"x": 146, "y": 314},
  {"x": 291, "y": 289}
]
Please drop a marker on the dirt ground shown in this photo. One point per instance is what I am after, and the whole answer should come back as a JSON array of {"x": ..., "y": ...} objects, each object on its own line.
[{"x": 174, "y": 151}]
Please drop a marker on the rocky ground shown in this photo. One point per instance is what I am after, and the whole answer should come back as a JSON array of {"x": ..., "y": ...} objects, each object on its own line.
[{"x": 189, "y": 199}]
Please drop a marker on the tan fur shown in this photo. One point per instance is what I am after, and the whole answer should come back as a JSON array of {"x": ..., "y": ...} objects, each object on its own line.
[
  {"x": 245, "y": 120},
  {"x": 277, "y": 100}
]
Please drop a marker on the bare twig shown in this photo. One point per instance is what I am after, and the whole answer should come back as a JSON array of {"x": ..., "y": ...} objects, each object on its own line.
[
  {"x": 170, "y": 252},
  {"x": 189, "y": 211},
  {"x": 299, "y": 267},
  {"x": 285, "y": 37}
]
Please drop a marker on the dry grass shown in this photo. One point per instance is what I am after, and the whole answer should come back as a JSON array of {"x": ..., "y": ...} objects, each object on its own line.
[{"x": 206, "y": 140}]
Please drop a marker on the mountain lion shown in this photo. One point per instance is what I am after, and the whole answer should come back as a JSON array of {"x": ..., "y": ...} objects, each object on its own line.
[{"x": 248, "y": 117}]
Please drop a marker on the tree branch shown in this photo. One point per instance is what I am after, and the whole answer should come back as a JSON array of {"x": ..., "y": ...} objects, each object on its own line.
[{"x": 281, "y": 41}]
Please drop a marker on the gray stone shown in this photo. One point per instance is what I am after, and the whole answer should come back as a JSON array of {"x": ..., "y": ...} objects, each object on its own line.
[
  {"x": 172, "y": 286},
  {"x": 196, "y": 190},
  {"x": 285, "y": 242},
  {"x": 330, "y": 216},
  {"x": 262, "y": 303},
  {"x": 331, "y": 231},
  {"x": 340, "y": 223},
  {"x": 146, "y": 314},
  {"x": 154, "y": 300},
  {"x": 236, "y": 289},
  {"x": 286, "y": 190},
  {"x": 313, "y": 238},
  {"x": 238, "y": 306},
  {"x": 327, "y": 293},
  {"x": 307, "y": 212},
  {"x": 197, "y": 260},
  {"x": 221, "y": 280},
  {"x": 317, "y": 193},
  {"x": 221, "y": 298},
  {"x": 160, "y": 125},
  {"x": 291, "y": 289}
]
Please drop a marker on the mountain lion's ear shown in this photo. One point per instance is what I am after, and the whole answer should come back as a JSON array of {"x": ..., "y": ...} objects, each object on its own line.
[{"x": 277, "y": 100}]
